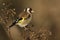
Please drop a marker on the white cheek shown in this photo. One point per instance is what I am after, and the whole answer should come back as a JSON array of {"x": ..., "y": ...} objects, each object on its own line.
[{"x": 28, "y": 10}]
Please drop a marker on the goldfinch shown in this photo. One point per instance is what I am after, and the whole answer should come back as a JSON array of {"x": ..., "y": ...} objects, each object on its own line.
[{"x": 24, "y": 18}]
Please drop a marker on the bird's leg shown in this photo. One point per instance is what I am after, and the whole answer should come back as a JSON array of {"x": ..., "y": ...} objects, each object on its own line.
[
  {"x": 28, "y": 29},
  {"x": 25, "y": 28},
  {"x": 32, "y": 25}
]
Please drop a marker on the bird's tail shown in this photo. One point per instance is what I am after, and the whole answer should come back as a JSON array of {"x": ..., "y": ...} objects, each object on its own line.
[{"x": 12, "y": 24}]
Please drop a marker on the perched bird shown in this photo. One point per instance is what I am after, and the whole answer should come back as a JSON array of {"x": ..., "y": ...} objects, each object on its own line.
[{"x": 24, "y": 18}]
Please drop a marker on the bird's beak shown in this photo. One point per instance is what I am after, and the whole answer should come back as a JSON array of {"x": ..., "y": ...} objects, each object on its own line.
[{"x": 32, "y": 11}]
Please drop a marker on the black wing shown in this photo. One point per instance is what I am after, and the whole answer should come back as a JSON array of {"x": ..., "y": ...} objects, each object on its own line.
[{"x": 16, "y": 21}]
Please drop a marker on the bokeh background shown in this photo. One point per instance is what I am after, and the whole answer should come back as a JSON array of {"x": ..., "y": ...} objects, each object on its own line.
[{"x": 46, "y": 19}]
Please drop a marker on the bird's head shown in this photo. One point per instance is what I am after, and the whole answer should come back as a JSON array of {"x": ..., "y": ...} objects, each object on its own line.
[{"x": 28, "y": 10}]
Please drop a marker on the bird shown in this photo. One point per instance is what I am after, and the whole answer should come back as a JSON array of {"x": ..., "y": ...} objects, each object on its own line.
[{"x": 24, "y": 18}]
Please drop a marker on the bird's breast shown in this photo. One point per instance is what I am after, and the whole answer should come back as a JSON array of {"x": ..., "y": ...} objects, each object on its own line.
[{"x": 24, "y": 22}]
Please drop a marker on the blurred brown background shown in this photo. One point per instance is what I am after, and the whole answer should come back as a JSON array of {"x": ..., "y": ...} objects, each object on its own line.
[{"x": 46, "y": 19}]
